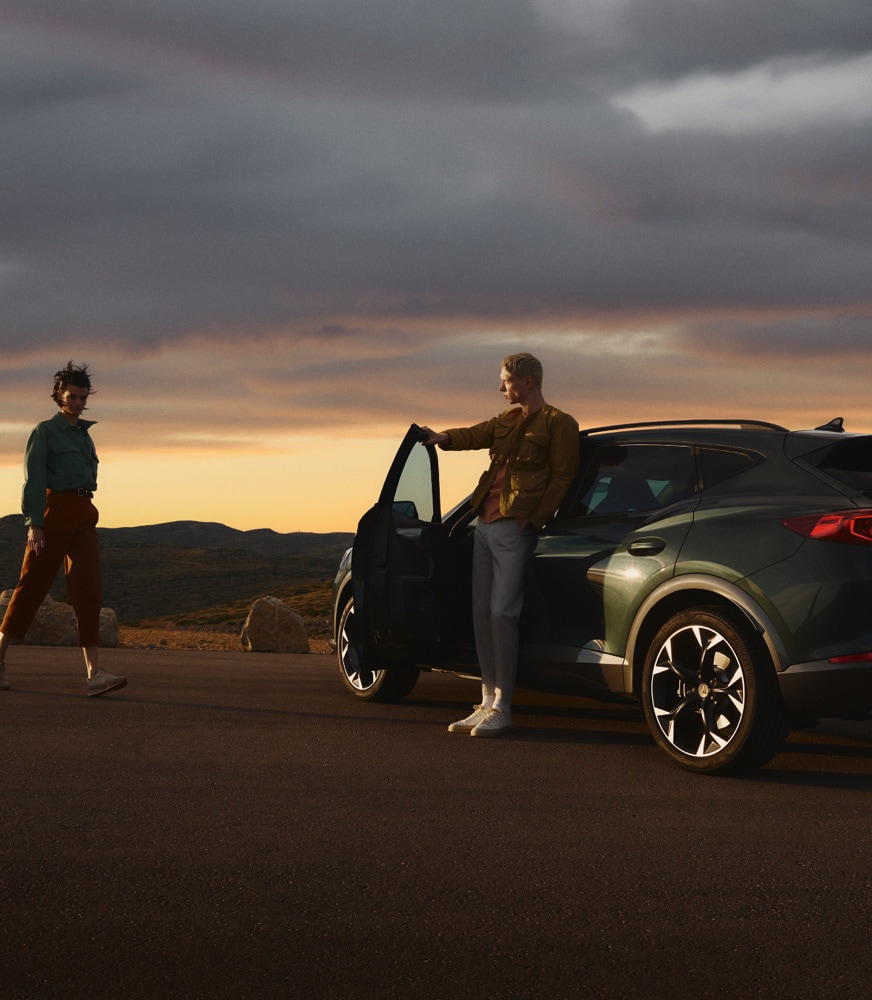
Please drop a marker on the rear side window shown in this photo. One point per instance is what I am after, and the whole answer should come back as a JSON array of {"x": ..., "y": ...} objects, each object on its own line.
[
  {"x": 848, "y": 462},
  {"x": 622, "y": 479},
  {"x": 718, "y": 465}
]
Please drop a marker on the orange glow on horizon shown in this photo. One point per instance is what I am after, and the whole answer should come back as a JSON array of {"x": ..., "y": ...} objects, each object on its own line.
[{"x": 319, "y": 485}]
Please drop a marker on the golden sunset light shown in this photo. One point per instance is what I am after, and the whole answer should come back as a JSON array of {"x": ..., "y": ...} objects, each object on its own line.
[{"x": 274, "y": 260}]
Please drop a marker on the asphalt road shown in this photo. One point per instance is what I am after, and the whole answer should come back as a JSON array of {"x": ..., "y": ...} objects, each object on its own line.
[{"x": 234, "y": 825}]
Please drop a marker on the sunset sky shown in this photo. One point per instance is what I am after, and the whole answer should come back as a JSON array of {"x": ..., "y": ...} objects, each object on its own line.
[{"x": 282, "y": 230}]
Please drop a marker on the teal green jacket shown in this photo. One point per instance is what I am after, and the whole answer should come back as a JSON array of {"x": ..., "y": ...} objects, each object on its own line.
[{"x": 59, "y": 456}]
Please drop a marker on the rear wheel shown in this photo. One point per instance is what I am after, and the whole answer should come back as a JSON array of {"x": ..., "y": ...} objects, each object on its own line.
[
  {"x": 710, "y": 694},
  {"x": 391, "y": 683}
]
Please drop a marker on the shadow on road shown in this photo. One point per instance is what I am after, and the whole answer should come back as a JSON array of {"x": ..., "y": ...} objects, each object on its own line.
[{"x": 821, "y": 761}]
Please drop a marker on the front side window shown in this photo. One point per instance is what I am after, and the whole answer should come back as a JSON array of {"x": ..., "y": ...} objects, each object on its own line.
[
  {"x": 622, "y": 479},
  {"x": 414, "y": 496}
]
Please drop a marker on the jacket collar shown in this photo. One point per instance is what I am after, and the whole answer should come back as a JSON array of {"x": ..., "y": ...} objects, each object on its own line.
[{"x": 60, "y": 421}]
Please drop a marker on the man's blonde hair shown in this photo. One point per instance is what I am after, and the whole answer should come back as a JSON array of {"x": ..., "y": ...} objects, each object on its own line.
[{"x": 524, "y": 364}]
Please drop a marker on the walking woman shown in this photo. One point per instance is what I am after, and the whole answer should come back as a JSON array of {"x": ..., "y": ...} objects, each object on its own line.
[{"x": 60, "y": 466}]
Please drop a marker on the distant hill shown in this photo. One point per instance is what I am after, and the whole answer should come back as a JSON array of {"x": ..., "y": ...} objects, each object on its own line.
[
  {"x": 211, "y": 535},
  {"x": 182, "y": 567}
]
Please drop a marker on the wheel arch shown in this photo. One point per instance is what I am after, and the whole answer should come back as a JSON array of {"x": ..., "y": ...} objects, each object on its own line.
[{"x": 694, "y": 590}]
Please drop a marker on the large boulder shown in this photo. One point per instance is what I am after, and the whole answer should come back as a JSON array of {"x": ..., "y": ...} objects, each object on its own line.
[
  {"x": 273, "y": 627},
  {"x": 55, "y": 624}
]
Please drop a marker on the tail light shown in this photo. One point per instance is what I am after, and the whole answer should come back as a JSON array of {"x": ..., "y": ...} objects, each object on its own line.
[
  {"x": 851, "y": 526},
  {"x": 851, "y": 658}
]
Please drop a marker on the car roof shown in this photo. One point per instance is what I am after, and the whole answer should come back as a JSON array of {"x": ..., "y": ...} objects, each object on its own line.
[
  {"x": 706, "y": 422},
  {"x": 736, "y": 433}
]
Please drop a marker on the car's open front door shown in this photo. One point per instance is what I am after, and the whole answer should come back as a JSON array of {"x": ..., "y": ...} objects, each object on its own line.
[{"x": 394, "y": 560}]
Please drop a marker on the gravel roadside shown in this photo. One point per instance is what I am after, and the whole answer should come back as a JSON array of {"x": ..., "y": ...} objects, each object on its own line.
[{"x": 131, "y": 637}]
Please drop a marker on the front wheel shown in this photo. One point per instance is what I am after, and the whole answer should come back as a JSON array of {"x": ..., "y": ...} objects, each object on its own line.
[
  {"x": 365, "y": 682},
  {"x": 710, "y": 694}
]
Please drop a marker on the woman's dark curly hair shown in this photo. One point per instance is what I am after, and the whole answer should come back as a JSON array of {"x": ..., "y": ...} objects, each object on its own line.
[{"x": 71, "y": 375}]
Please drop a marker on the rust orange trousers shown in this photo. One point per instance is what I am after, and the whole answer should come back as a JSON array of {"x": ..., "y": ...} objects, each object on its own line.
[{"x": 71, "y": 542}]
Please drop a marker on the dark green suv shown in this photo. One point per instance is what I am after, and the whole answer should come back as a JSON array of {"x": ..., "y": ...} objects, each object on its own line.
[{"x": 719, "y": 572}]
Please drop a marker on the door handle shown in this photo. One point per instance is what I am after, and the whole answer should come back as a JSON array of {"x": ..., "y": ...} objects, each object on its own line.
[{"x": 649, "y": 546}]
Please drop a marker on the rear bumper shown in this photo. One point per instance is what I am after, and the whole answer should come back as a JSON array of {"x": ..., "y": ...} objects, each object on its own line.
[{"x": 827, "y": 690}]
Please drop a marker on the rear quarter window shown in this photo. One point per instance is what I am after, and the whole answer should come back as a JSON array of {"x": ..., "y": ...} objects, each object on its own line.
[
  {"x": 718, "y": 465},
  {"x": 848, "y": 462}
]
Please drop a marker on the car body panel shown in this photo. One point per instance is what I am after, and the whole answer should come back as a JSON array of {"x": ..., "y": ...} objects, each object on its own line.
[
  {"x": 823, "y": 614},
  {"x": 821, "y": 689},
  {"x": 583, "y": 574}
]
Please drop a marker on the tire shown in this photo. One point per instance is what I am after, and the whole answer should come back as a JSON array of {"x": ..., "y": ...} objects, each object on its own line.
[
  {"x": 368, "y": 684},
  {"x": 710, "y": 694}
]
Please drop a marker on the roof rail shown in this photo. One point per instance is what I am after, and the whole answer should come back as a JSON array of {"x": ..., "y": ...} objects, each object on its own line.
[{"x": 686, "y": 423}]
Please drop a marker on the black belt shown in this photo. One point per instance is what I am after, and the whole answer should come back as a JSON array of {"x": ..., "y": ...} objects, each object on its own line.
[{"x": 79, "y": 491}]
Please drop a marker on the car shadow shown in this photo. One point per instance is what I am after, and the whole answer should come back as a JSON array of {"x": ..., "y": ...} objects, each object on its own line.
[
  {"x": 843, "y": 765},
  {"x": 580, "y": 737},
  {"x": 526, "y": 729},
  {"x": 613, "y": 713},
  {"x": 843, "y": 780}
]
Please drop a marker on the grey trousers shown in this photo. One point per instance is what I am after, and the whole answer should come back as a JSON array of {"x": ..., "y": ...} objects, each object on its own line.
[{"x": 501, "y": 556}]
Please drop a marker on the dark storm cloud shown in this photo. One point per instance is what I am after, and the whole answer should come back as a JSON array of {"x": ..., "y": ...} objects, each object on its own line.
[
  {"x": 232, "y": 170},
  {"x": 483, "y": 48},
  {"x": 486, "y": 47},
  {"x": 29, "y": 85}
]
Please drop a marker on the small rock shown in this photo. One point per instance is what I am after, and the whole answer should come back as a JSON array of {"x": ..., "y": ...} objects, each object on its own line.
[{"x": 273, "y": 627}]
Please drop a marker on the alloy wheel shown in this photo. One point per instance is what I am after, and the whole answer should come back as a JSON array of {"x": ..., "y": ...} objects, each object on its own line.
[
  {"x": 359, "y": 679},
  {"x": 698, "y": 691}
]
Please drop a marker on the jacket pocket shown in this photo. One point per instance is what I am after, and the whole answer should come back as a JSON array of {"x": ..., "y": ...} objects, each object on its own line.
[
  {"x": 534, "y": 451},
  {"x": 64, "y": 448},
  {"x": 530, "y": 481}
]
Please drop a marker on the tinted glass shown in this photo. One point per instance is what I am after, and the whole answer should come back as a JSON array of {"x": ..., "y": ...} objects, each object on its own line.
[
  {"x": 848, "y": 462},
  {"x": 414, "y": 495},
  {"x": 720, "y": 465},
  {"x": 624, "y": 479}
]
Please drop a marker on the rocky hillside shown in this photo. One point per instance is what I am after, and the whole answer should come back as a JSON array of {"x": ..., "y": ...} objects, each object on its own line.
[{"x": 190, "y": 571}]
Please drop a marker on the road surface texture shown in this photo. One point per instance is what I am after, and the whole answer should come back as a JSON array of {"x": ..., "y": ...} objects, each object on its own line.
[{"x": 234, "y": 825}]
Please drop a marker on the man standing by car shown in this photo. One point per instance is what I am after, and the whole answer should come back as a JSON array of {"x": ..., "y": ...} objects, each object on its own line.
[{"x": 533, "y": 460}]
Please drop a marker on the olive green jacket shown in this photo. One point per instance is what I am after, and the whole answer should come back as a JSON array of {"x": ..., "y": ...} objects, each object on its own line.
[{"x": 542, "y": 455}]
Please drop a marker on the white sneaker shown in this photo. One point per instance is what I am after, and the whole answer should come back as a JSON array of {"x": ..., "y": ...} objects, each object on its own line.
[
  {"x": 103, "y": 682},
  {"x": 495, "y": 723},
  {"x": 467, "y": 725}
]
